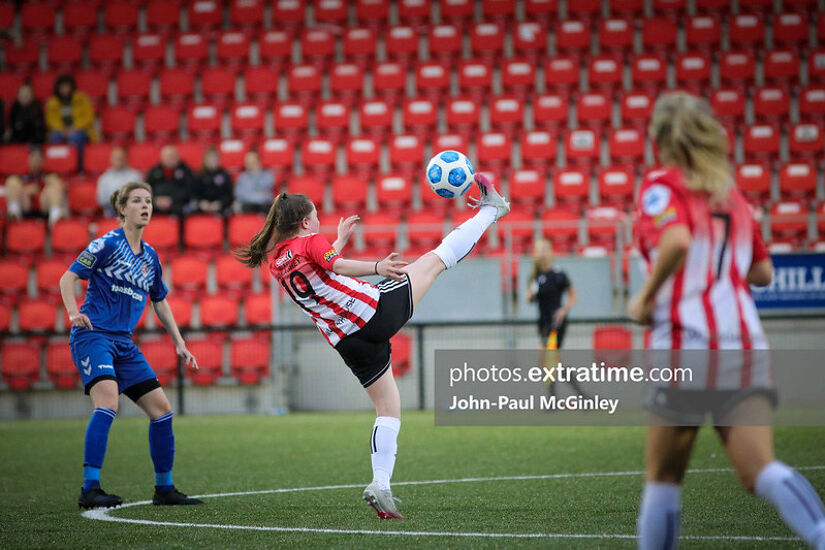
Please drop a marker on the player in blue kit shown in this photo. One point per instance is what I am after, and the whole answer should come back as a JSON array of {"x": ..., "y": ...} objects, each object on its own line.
[{"x": 122, "y": 271}]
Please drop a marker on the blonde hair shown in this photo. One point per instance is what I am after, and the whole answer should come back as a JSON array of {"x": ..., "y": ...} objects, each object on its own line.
[
  {"x": 121, "y": 196},
  {"x": 689, "y": 136},
  {"x": 282, "y": 222},
  {"x": 538, "y": 260}
]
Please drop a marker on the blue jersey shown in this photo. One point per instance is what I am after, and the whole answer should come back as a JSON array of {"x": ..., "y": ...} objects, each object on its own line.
[{"x": 119, "y": 283}]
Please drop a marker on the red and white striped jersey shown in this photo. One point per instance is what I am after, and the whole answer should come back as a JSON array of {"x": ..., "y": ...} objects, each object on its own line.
[
  {"x": 339, "y": 305},
  {"x": 706, "y": 303}
]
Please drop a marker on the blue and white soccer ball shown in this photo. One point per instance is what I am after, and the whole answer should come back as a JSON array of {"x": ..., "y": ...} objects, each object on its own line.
[{"x": 450, "y": 174}]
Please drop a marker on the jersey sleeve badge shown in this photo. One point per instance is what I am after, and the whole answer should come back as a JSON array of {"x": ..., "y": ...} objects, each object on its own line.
[{"x": 655, "y": 200}]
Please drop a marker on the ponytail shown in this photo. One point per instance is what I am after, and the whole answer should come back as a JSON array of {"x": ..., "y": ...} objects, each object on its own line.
[
  {"x": 689, "y": 137},
  {"x": 282, "y": 222},
  {"x": 121, "y": 196}
]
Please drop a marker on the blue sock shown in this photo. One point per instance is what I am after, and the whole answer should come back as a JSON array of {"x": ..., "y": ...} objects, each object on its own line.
[
  {"x": 97, "y": 435},
  {"x": 162, "y": 450}
]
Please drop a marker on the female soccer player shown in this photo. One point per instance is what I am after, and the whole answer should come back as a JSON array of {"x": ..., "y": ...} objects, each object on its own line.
[
  {"x": 703, "y": 249},
  {"x": 122, "y": 271},
  {"x": 357, "y": 318}
]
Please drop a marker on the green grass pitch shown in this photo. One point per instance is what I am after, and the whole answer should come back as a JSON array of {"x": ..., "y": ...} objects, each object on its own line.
[{"x": 41, "y": 476}]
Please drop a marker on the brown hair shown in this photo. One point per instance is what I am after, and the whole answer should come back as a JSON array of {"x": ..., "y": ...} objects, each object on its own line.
[
  {"x": 121, "y": 196},
  {"x": 688, "y": 136},
  {"x": 283, "y": 220}
]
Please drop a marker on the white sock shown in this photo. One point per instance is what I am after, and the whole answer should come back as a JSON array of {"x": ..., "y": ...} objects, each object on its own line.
[
  {"x": 658, "y": 523},
  {"x": 795, "y": 500},
  {"x": 14, "y": 209},
  {"x": 383, "y": 447},
  {"x": 463, "y": 238}
]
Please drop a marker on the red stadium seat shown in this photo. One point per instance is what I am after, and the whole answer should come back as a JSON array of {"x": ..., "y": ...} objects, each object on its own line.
[
  {"x": 424, "y": 230},
  {"x": 104, "y": 225},
  {"x": 816, "y": 65},
  {"x": 729, "y": 105},
  {"x": 261, "y": 85},
  {"x": 761, "y": 142},
  {"x": 538, "y": 150},
  {"x": 389, "y": 82},
  {"x": 530, "y": 41},
  {"x": 292, "y": 120},
  {"x": 209, "y": 353},
  {"x": 790, "y": 30},
  {"x": 812, "y": 103},
  {"x": 14, "y": 280},
  {"x": 218, "y": 311},
  {"x": 304, "y": 84},
  {"x": 23, "y": 59},
  {"x": 432, "y": 80},
  {"x": 14, "y": 159},
  {"x": 105, "y": 53},
  {"x": 232, "y": 152},
  {"x": 561, "y": 227},
  {"x": 65, "y": 53},
  {"x": 394, "y": 193},
  {"x": 242, "y": 227},
  {"x": 258, "y": 309},
  {"x": 346, "y": 81},
  {"x": 573, "y": 38},
  {"x": 120, "y": 17},
  {"x": 5, "y": 317},
  {"x": 333, "y": 12},
  {"x": 754, "y": 181},
  {"x": 612, "y": 337},
  {"x": 494, "y": 151},
  {"x": 444, "y": 42},
  {"x": 317, "y": 47},
  {"x": 487, "y": 41},
  {"x": 550, "y": 112},
  {"x": 162, "y": 234},
  {"x": 419, "y": 117},
  {"x": 191, "y": 51},
  {"x": 275, "y": 47},
  {"x": 541, "y": 10},
  {"x": 205, "y": 16},
  {"x": 318, "y": 157},
  {"x": 69, "y": 237},
  {"x": 26, "y": 237},
  {"x": 360, "y": 44},
  {"x": 60, "y": 367},
  {"x": 797, "y": 181},
  {"x": 233, "y": 50},
  {"x": 161, "y": 356},
  {"x": 616, "y": 187},
  {"x": 162, "y": 17},
  {"x": 605, "y": 74},
  {"x": 9, "y": 85},
  {"x": 627, "y": 147},
  {"x": 463, "y": 116},
  {"x": 693, "y": 72},
  {"x": 781, "y": 68},
  {"x": 182, "y": 307},
  {"x": 118, "y": 124},
  {"x": 177, "y": 87},
  {"x": 203, "y": 233},
  {"x": 771, "y": 105},
  {"x": 414, "y": 12},
  {"x": 363, "y": 156},
  {"x": 756, "y": 6},
  {"x": 37, "y": 315},
  {"x": 518, "y": 77},
  {"x": 593, "y": 111},
  {"x": 96, "y": 157},
  {"x": 372, "y": 13},
  {"x": 737, "y": 68},
  {"x": 517, "y": 230},
  {"x": 458, "y": 12},
  {"x": 61, "y": 159},
  {"x": 659, "y": 35},
  {"x": 218, "y": 86},
  {"x": 37, "y": 18},
  {"x": 402, "y": 45},
  {"x": 161, "y": 124},
  {"x": 21, "y": 365},
  {"x": 475, "y": 79},
  {"x": 603, "y": 223},
  {"x": 203, "y": 122},
  {"x": 143, "y": 156},
  {"x": 332, "y": 118},
  {"x": 133, "y": 89},
  {"x": 713, "y": 7},
  {"x": 582, "y": 147},
  {"x": 349, "y": 192},
  {"x": 149, "y": 51},
  {"x": 528, "y": 189},
  {"x": 506, "y": 115},
  {"x": 789, "y": 222},
  {"x": 277, "y": 154},
  {"x": 561, "y": 76},
  {"x": 234, "y": 279},
  {"x": 406, "y": 154},
  {"x": 249, "y": 358},
  {"x": 571, "y": 187},
  {"x": 746, "y": 31},
  {"x": 289, "y": 13},
  {"x": 47, "y": 276},
  {"x": 189, "y": 276},
  {"x": 379, "y": 232},
  {"x": 806, "y": 141},
  {"x": 309, "y": 186},
  {"x": 586, "y": 10},
  {"x": 615, "y": 36},
  {"x": 247, "y": 121},
  {"x": 79, "y": 18},
  {"x": 649, "y": 72},
  {"x": 704, "y": 33},
  {"x": 246, "y": 14},
  {"x": 42, "y": 84}
]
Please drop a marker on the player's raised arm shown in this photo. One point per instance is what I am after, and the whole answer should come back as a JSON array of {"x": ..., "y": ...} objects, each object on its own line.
[
  {"x": 164, "y": 313},
  {"x": 346, "y": 227},
  {"x": 389, "y": 267}
]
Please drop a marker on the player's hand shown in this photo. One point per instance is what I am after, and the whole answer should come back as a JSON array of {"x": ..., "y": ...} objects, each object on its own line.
[
  {"x": 80, "y": 320},
  {"x": 392, "y": 268},
  {"x": 346, "y": 227},
  {"x": 640, "y": 310},
  {"x": 187, "y": 356}
]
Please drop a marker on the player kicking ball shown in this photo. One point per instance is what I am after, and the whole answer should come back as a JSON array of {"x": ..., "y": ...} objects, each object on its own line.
[
  {"x": 122, "y": 271},
  {"x": 355, "y": 317}
]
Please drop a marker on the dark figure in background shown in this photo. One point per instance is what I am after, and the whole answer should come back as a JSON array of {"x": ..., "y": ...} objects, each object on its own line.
[
  {"x": 27, "y": 124},
  {"x": 172, "y": 182},
  {"x": 213, "y": 191}
]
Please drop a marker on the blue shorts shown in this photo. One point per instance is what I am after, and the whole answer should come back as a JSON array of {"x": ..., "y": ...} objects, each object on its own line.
[{"x": 99, "y": 357}]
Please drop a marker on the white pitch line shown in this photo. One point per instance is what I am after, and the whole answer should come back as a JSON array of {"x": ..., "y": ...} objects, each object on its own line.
[{"x": 103, "y": 514}]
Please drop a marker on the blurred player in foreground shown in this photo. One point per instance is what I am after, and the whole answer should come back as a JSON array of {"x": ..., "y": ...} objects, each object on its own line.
[
  {"x": 703, "y": 250},
  {"x": 122, "y": 271},
  {"x": 358, "y": 318}
]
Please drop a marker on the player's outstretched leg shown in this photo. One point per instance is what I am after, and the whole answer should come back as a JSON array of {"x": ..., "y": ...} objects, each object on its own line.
[
  {"x": 162, "y": 449},
  {"x": 459, "y": 242},
  {"x": 383, "y": 445},
  {"x": 104, "y": 396}
]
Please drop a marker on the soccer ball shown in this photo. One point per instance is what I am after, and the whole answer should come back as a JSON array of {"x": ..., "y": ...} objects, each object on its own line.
[{"x": 449, "y": 174}]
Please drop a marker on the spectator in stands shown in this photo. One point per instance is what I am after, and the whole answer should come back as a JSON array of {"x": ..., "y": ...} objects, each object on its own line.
[
  {"x": 255, "y": 187},
  {"x": 172, "y": 182},
  {"x": 118, "y": 175},
  {"x": 26, "y": 121},
  {"x": 213, "y": 186},
  {"x": 35, "y": 193},
  {"x": 70, "y": 116}
]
